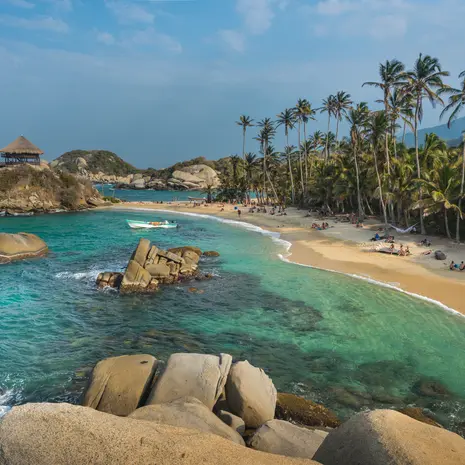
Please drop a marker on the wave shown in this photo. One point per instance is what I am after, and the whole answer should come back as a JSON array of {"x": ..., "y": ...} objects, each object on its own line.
[
  {"x": 77, "y": 276},
  {"x": 276, "y": 237},
  {"x": 5, "y": 397}
]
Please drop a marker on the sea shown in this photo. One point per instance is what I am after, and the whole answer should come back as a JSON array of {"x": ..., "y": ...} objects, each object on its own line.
[{"x": 347, "y": 343}]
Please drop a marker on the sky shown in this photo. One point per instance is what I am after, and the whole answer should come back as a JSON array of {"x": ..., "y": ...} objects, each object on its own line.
[{"x": 163, "y": 81}]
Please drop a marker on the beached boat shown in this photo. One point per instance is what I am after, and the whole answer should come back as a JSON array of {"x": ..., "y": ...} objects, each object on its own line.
[{"x": 151, "y": 225}]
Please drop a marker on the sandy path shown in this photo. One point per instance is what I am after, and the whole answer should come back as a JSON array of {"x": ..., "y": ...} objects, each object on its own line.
[{"x": 347, "y": 249}]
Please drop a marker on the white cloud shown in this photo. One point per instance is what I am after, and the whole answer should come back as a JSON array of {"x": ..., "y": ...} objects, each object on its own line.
[
  {"x": 150, "y": 37},
  {"x": 257, "y": 14},
  {"x": 234, "y": 39},
  {"x": 106, "y": 38},
  {"x": 42, "y": 23},
  {"x": 387, "y": 26},
  {"x": 127, "y": 12},
  {"x": 21, "y": 4}
]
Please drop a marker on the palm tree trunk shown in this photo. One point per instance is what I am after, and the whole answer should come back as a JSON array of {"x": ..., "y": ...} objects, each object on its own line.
[
  {"x": 383, "y": 205},
  {"x": 462, "y": 185},
  {"x": 300, "y": 161},
  {"x": 405, "y": 132},
  {"x": 290, "y": 169},
  {"x": 357, "y": 174},
  {"x": 417, "y": 155},
  {"x": 305, "y": 154},
  {"x": 327, "y": 137},
  {"x": 394, "y": 139},
  {"x": 243, "y": 142},
  {"x": 446, "y": 223},
  {"x": 337, "y": 131},
  {"x": 265, "y": 149}
]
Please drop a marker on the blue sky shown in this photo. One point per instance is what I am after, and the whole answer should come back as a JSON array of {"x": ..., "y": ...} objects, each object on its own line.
[{"x": 163, "y": 81}]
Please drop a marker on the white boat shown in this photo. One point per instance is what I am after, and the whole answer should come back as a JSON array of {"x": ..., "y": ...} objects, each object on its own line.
[{"x": 151, "y": 225}]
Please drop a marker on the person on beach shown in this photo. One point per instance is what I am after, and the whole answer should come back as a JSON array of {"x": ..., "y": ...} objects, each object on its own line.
[
  {"x": 452, "y": 266},
  {"x": 391, "y": 249},
  {"x": 462, "y": 266},
  {"x": 407, "y": 251},
  {"x": 401, "y": 251},
  {"x": 239, "y": 213}
]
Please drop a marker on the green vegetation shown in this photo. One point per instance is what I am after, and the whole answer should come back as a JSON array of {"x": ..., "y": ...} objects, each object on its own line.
[
  {"x": 369, "y": 172},
  {"x": 95, "y": 161}
]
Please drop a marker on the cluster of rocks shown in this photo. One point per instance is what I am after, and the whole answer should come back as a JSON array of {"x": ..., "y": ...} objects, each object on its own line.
[
  {"x": 195, "y": 177},
  {"x": 151, "y": 266},
  {"x": 20, "y": 246},
  {"x": 207, "y": 409}
]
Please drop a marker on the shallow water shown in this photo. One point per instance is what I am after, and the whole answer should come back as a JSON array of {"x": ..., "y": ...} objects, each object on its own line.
[{"x": 332, "y": 338}]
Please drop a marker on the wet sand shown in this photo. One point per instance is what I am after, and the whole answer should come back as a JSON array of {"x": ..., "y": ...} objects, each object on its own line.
[{"x": 347, "y": 249}]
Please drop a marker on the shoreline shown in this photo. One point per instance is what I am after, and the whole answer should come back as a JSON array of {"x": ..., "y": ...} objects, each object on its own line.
[{"x": 350, "y": 254}]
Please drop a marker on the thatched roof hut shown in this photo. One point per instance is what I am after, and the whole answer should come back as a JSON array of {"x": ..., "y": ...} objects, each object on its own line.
[{"x": 21, "y": 151}]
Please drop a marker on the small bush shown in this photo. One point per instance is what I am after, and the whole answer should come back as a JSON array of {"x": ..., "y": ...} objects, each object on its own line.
[{"x": 69, "y": 197}]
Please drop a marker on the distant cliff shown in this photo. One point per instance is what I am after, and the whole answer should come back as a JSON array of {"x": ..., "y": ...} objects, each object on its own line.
[{"x": 28, "y": 188}]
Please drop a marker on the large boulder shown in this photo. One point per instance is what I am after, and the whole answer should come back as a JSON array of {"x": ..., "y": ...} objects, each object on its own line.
[
  {"x": 284, "y": 438},
  {"x": 59, "y": 434},
  {"x": 119, "y": 385},
  {"x": 187, "y": 412},
  {"x": 304, "y": 412},
  {"x": 192, "y": 375},
  {"x": 439, "y": 255},
  {"x": 137, "y": 279},
  {"x": 20, "y": 246},
  {"x": 385, "y": 437},
  {"x": 251, "y": 394},
  {"x": 181, "y": 250},
  {"x": 195, "y": 177},
  {"x": 142, "y": 251},
  {"x": 419, "y": 415},
  {"x": 109, "y": 279}
]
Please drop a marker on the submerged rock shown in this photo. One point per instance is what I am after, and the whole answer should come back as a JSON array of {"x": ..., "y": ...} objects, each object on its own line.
[
  {"x": 429, "y": 387},
  {"x": 20, "y": 246},
  {"x": 385, "y": 437},
  {"x": 211, "y": 253},
  {"x": 46, "y": 434},
  {"x": 284, "y": 438},
  {"x": 304, "y": 412},
  {"x": 187, "y": 412},
  {"x": 418, "y": 414},
  {"x": 119, "y": 384},
  {"x": 251, "y": 394}
]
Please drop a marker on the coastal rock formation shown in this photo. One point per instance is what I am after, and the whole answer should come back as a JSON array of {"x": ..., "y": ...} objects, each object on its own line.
[
  {"x": 194, "y": 177},
  {"x": 20, "y": 246},
  {"x": 187, "y": 412},
  {"x": 251, "y": 394},
  {"x": 119, "y": 384},
  {"x": 283, "y": 438},
  {"x": 46, "y": 434},
  {"x": 385, "y": 436},
  {"x": 192, "y": 375},
  {"x": 304, "y": 412},
  {"x": 30, "y": 189},
  {"x": 150, "y": 266},
  {"x": 418, "y": 414}
]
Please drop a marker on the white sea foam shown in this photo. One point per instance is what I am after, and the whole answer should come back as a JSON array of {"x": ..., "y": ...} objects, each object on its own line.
[
  {"x": 77, "y": 276},
  {"x": 276, "y": 237},
  {"x": 4, "y": 399}
]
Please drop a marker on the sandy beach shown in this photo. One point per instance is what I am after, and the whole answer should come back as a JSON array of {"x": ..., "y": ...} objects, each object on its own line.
[{"x": 347, "y": 249}]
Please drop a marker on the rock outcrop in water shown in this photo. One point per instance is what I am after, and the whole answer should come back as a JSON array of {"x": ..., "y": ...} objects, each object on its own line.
[
  {"x": 20, "y": 246},
  {"x": 150, "y": 266},
  {"x": 184, "y": 416}
]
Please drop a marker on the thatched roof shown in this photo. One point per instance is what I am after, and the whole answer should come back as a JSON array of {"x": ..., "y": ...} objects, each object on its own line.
[{"x": 22, "y": 146}]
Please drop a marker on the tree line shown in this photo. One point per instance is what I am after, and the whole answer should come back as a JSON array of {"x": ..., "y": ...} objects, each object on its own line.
[{"x": 371, "y": 171}]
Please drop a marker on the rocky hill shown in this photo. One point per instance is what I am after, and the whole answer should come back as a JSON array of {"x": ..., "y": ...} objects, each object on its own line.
[
  {"x": 28, "y": 188},
  {"x": 95, "y": 165},
  {"x": 104, "y": 166}
]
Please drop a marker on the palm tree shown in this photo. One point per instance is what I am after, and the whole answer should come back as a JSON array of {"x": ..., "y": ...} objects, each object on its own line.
[
  {"x": 342, "y": 104},
  {"x": 456, "y": 103},
  {"x": 441, "y": 189},
  {"x": 391, "y": 75},
  {"x": 304, "y": 112},
  {"x": 377, "y": 126},
  {"x": 329, "y": 106},
  {"x": 245, "y": 122},
  {"x": 287, "y": 119},
  {"x": 265, "y": 135},
  {"x": 357, "y": 118},
  {"x": 235, "y": 163},
  {"x": 423, "y": 81}
]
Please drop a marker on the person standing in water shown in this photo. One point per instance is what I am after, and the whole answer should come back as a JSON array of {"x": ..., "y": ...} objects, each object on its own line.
[{"x": 239, "y": 213}]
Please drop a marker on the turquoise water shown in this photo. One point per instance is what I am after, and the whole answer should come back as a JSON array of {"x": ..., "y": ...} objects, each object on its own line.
[
  {"x": 148, "y": 195},
  {"x": 334, "y": 339}
]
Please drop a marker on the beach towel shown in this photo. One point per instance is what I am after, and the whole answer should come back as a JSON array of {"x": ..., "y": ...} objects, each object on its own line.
[{"x": 403, "y": 231}]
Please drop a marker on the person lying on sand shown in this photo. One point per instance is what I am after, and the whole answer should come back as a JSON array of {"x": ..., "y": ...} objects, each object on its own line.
[
  {"x": 425, "y": 242},
  {"x": 453, "y": 266},
  {"x": 391, "y": 249}
]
